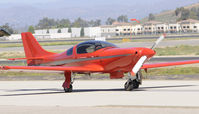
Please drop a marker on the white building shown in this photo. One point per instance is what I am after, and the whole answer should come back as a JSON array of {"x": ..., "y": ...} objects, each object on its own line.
[
  {"x": 60, "y": 35},
  {"x": 64, "y": 30},
  {"x": 150, "y": 27},
  {"x": 189, "y": 25},
  {"x": 108, "y": 31},
  {"x": 53, "y": 31},
  {"x": 42, "y": 36},
  {"x": 162, "y": 28},
  {"x": 14, "y": 37},
  {"x": 123, "y": 29},
  {"x": 92, "y": 32},
  {"x": 137, "y": 29},
  {"x": 3, "y": 38},
  {"x": 174, "y": 27},
  {"x": 42, "y": 31},
  {"x": 76, "y": 32}
]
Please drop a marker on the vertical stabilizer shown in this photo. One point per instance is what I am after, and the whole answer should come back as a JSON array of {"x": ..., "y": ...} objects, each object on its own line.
[{"x": 32, "y": 48}]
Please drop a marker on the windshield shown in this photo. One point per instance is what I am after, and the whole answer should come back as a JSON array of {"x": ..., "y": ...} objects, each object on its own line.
[{"x": 91, "y": 46}]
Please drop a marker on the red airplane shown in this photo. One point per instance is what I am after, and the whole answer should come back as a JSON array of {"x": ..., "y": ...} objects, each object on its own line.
[{"x": 90, "y": 57}]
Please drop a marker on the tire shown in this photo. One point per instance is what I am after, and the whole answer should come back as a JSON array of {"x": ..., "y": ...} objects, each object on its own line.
[
  {"x": 131, "y": 84},
  {"x": 128, "y": 86},
  {"x": 135, "y": 84},
  {"x": 70, "y": 89}
]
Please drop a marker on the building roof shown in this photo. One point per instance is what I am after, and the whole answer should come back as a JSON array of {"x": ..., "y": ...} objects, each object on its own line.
[
  {"x": 116, "y": 23},
  {"x": 3, "y": 32},
  {"x": 152, "y": 22},
  {"x": 107, "y": 26},
  {"x": 189, "y": 21}
]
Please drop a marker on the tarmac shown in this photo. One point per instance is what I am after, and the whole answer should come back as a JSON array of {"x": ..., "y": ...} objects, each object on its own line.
[
  {"x": 99, "y": 96},
  {"x": 169, "y": 43}
]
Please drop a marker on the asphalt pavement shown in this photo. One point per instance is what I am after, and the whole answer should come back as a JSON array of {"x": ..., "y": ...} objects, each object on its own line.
[
  {"x": 173, "y": 97},
  {"x": 169, "y": 43}
]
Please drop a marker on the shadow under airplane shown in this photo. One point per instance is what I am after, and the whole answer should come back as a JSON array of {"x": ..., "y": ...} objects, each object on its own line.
[{"x": 59, "y": 91}]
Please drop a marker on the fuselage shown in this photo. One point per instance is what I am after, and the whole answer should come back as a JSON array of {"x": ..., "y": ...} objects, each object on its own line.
[{"x": 107, "y": 55}]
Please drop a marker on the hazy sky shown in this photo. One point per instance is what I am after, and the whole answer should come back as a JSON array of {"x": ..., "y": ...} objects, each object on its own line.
[
  {"x": 91, "y": 2},
  {"x": 26, "y": 12}
]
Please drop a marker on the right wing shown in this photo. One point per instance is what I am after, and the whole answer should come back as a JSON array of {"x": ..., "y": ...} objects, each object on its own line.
[{"x": 155, "y": 65}]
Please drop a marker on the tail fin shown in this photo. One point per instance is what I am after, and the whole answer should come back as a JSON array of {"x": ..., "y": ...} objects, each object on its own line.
[{"x": 32, "y": 48}]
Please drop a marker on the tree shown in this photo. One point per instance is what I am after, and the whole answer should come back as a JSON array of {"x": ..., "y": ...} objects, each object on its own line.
[
  {"x": 110, "y": 21},
  {"x": 59, "y": 31},
  {"x": 97, "y": 23},
  {"x": 177, "y": 11},
  {"x": 151, "y": 17},
  {"x": 193, "y": 15},
  {"x": 46, "y": 23},
  {"x": 31, "y": 29},
  {"x": 122, "y": 18},
  {"x": 82, "y": 32},
  {"x": 197, "y": 14},
  {"x": 63, "y": 23},
  {"x": 185, "y": 14},
  {"x": 80, "y": 23},
  {"x": 69, "y": 30}
]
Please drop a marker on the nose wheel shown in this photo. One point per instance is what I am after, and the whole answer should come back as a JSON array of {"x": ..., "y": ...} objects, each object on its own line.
[{"x": 133, "y": 82}]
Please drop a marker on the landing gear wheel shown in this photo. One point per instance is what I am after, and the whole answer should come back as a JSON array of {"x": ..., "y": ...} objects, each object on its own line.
[
  {"x": 135, "y": 84},
  {"x": 70, "y": 89},
  {"x": 131, "y": 84}
]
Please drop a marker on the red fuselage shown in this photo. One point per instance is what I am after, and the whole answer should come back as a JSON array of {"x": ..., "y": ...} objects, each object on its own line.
[{"x": 112, "y": 59}]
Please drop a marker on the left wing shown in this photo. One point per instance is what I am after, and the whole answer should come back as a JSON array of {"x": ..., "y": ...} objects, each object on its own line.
[
  {"x": 155, "y": 65},
  {"x": 87, "y": 68}
]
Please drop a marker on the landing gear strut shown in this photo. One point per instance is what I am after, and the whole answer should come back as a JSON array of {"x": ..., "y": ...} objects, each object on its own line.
[
  {"x": 67, "y": 85},
  {"x": 133, "y": 82}
]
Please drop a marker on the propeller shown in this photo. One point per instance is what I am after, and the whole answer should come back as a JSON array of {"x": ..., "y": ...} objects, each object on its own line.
[
  {"x": 142, "y": 60},
  {"x": 158, "y": 41}
]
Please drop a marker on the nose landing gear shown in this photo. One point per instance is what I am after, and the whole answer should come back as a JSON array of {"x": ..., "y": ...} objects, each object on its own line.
[{"x": 133, "y": 82}]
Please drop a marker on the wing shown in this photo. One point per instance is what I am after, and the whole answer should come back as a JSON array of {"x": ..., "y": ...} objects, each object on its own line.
[
  {"x": 87, "y": 68},
  {"x": 155, "y": 65}
]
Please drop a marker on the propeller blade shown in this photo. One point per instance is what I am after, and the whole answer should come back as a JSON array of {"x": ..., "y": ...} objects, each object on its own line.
[
  {"x": 158, "y": 41},
  {"x": 139, "y": 64},
  {"x": 141, "y": 61}
]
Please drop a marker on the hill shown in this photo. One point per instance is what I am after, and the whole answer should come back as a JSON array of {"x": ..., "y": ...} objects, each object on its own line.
[{"x": 169, "y": 15}]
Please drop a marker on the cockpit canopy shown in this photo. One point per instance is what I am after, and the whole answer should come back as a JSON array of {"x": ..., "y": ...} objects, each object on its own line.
[{"x": 90, "y": 46}]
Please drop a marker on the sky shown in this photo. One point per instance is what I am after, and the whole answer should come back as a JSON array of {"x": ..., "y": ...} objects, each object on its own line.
[
  {"x": 29, "y": 12},
  {"x": 91, "y": 2}
]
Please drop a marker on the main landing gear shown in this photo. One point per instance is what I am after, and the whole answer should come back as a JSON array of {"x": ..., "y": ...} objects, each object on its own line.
[
  {"x": 133, "y": 82},
  {"x": 67, "y": 85}
]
